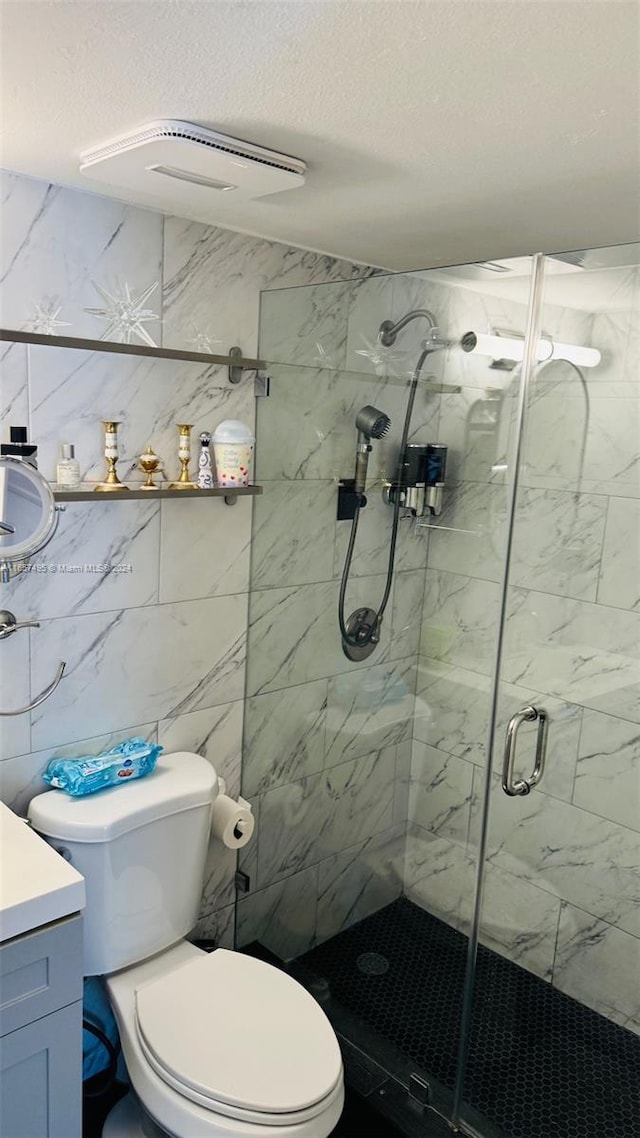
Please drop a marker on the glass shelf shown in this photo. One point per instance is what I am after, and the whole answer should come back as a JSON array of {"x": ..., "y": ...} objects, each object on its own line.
[
  {"x": 234, "y": 360},
  {"x": 88, "y": 493}
]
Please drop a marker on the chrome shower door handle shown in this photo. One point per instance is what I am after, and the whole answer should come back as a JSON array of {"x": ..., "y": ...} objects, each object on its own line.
[{"x": 526, "y": 714}]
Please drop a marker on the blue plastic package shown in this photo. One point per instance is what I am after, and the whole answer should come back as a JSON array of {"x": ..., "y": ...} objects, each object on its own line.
[{"x": 132, "y": 759}]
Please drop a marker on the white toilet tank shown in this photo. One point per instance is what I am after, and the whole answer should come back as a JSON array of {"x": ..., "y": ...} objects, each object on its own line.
[{"x": 141, "y": 849}]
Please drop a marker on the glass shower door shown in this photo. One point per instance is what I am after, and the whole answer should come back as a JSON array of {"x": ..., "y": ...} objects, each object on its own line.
[{"x": 553, "y": 1003}]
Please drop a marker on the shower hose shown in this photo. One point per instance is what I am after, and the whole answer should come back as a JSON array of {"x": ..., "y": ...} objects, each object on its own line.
[{"x": 371, "y": 632}]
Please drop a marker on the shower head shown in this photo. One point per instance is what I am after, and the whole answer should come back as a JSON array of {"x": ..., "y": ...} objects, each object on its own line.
[{"x": 372, "y": 423}]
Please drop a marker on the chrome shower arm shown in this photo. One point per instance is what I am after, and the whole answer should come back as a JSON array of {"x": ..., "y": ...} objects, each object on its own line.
[{"x": 389, "y": 329}]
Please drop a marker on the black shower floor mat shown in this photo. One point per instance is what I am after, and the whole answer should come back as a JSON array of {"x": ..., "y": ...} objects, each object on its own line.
[{"x": 541, "y": 1064}]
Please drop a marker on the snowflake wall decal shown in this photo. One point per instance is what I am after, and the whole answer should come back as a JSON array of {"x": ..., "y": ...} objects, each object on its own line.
[
  {"x": 203, "y": 341},
  {"x": 45, "y": 319},
  {"x": 125, "y": 314}
]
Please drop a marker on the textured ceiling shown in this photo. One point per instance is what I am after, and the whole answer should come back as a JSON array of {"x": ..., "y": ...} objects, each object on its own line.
[{"x": 435, "y": 132}]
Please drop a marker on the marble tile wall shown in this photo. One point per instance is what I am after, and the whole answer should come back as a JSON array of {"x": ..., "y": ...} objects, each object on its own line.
[
  {"x": 562, "y": 886},
  {"x": 327, "y": 741},
  {"x": 157, "y": 645}
]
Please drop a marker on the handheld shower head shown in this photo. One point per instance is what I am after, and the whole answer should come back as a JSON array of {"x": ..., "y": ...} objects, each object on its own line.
[{"x": 371, "y": 424}]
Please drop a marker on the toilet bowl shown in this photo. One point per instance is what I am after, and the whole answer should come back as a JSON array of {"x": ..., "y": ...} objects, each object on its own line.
[
  {"x": 216, "y": 1044},
  {"x": 222, "y": 1044}
]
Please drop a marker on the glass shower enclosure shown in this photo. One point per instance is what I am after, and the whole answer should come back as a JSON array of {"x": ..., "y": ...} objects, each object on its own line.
[{"x": 448, "y": 845}]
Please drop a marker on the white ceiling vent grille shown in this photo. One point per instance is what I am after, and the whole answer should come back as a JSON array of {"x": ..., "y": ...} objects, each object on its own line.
[{"x": 196, "y": 162}]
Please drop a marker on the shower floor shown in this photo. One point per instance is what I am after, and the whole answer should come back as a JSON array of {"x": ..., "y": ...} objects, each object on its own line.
[{"x": 541, "y": 1064}]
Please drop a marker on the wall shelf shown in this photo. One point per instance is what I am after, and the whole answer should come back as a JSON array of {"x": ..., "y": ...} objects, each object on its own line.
[
  {"x": 234, "y": 360},
  {"x": 134, "y": 492}
]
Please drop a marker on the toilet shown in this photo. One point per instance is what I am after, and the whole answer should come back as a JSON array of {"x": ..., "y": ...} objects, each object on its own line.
[{"x": 216, "y": 1044}]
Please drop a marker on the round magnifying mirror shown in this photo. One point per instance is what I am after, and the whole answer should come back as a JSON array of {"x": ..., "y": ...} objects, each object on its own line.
[{"x": 27, "y": 514}]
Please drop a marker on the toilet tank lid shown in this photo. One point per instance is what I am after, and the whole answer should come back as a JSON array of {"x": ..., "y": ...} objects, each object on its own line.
[{"x": 180, "y": 781}]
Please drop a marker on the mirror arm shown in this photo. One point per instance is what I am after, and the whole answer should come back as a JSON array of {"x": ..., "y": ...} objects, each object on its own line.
[{"x": 43, "y": 694}]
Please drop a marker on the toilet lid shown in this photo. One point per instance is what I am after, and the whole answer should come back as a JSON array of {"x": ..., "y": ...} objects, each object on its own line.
[{"x": 241, "y": 1032}]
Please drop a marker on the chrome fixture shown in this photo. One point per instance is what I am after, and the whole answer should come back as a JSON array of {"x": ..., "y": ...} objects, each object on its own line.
[
  {"x": 528, "y": 714},
  {"x": 388, "y": 331},
  {"x": 361, "y": 632},
  {"x": 9, "y": 625}
]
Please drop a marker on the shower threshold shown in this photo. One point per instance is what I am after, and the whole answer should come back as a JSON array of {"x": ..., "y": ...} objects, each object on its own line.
[{"x": 541, "y": 1064}]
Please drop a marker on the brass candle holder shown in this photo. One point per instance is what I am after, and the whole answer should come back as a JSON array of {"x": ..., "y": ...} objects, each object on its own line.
[
  {"x": 149, "y": 462},
  {"x": 184, "y": 454},
  {"x": 111, "y": 483}
]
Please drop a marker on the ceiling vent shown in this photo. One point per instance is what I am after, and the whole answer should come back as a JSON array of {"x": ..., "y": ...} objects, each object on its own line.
[{"x": 192, "y": 165}]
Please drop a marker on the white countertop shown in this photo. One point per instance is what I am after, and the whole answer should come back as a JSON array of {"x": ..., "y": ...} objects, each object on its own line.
[{"x": 36, "y": 884}]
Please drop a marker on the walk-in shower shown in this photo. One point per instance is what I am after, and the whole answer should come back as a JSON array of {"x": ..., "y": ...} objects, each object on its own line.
[{"x": 477, "y": 950}]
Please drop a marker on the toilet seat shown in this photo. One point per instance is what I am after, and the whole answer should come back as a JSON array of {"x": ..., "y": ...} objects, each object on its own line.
[{"x": 239, "y": 1038}]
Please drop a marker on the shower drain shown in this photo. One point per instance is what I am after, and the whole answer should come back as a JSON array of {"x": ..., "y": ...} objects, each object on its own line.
[{"x": 372, "y": 963}]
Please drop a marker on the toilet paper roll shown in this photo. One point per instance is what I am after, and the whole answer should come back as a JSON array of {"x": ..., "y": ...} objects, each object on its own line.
[{"x": 232, "y": 823}]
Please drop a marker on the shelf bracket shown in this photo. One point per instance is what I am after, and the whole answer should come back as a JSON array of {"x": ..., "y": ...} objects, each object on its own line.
[{"x": 235, "y": 370}]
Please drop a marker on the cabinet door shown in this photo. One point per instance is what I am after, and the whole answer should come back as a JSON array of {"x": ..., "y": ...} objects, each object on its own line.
[{"x": 40, "y": 1077}]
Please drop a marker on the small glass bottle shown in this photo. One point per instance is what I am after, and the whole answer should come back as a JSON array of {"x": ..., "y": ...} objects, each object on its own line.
[{"x": 68, "y": 468}]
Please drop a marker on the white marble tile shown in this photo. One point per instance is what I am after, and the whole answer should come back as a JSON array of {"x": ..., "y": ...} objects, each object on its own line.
[
  {"x": 459, "y": 622},
  {"x": 598, "y": 965},
  {"x": 145, "y": 663},
  {"x": 557, "y": 542},
  {"x": 281, "y": 917},
  {"x": 103, "y": 555},
  {"x": 21, "y": 776},
  {"x": 371, "y": 553},
  {"x": 213, "y": 278},
  {"x": 401, "y": 783},
  {"x": 359, "y": 881},
  {"x": 303, "y": 822},
  {"x": 519, "y": 921},
  {"x": 608, "y": 769},
  {"x": 368, "y": 711},
  {"x": 572, "y": 854},
  {"x": 566, "y": 445},
  {"x": 215, "y": 733},
  {"x": 406, "y": 612},
  {"x": 294, "y": 636},
  {"x": 284, "y": 736},
  {"x": 583, "y": 653},
  {"x": 16, "y": 691},
  {"x": 440, "y": 792},
  {"x": 72, "y": 391},
  {"x": 294, "y": 533},
  {"x": 218, "y": 926},
  {"x": 205, "y": 548},
  {"x": 57, "y": 241},
  {"x": 439, "y": 877},
  {"x": 476, "y": 426},
  {"x": 452, "y": 709},
  {"x": 469, "y": 535},
  {"x": 306, "y": 326},
  {"x": 14, "y": 394},
  {"x": 620, "y": 573},
  {"x": 371, "y": 302}
]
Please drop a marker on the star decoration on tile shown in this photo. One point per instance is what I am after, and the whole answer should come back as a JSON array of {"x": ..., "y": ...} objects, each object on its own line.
[
  {"x": 126, "y": 314},
  {"x": 382, "y": 358},
  {"x": 45, "y": 319},
  {"x": 203, "y": 341},
  {"x": 324, "y": 358}
]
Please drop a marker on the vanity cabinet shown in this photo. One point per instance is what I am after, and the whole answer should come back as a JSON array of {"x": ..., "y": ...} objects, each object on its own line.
[{"x": 41, "y": 1032}]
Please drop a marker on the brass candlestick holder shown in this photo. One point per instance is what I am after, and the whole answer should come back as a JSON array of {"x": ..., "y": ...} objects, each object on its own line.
[
  {"x": 111, "y": 483},
  {"x": 149, "y": 462},
  {"x": 184, "y": 454}
]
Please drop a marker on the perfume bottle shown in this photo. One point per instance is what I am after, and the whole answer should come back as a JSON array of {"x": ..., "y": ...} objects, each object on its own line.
[
  {"x": 18, "y": 447},
  {"x": 205, "y": 473},
  {"x": 68, "y": 468}
]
